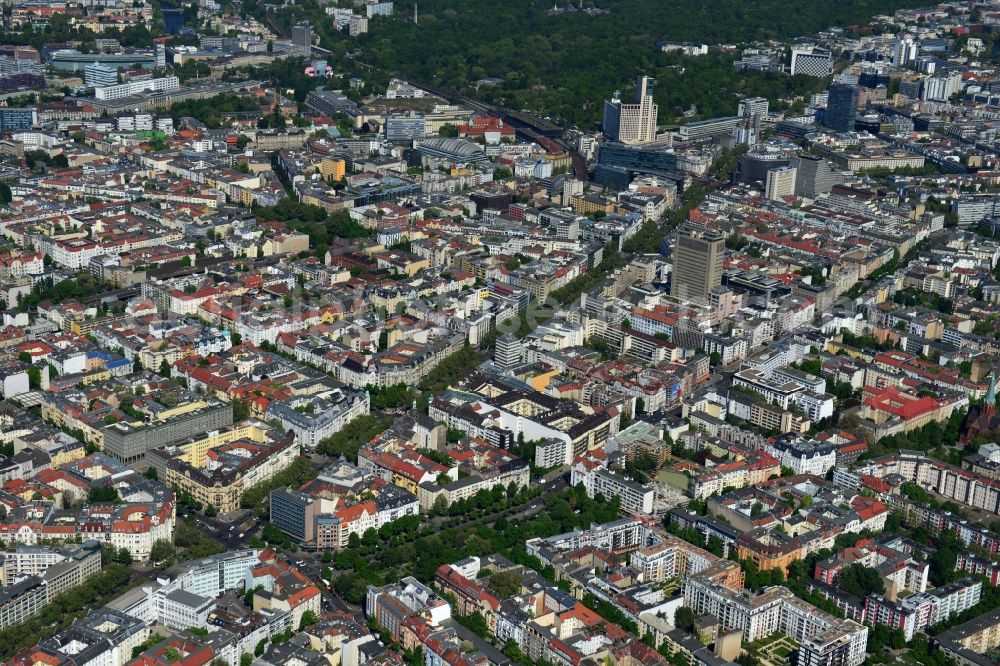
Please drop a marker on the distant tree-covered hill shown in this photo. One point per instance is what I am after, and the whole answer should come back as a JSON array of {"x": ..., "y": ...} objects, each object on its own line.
[{"x": 566, "y": 63}]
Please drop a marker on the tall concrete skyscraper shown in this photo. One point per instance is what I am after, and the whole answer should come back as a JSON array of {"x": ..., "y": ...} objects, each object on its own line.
[
  {"x": 302, "y": 37},
  {"x": 841, "y": 107},
  {"x": 632, "y": 123},
  {"x": 753, "y": 106},
  {"x": 814, "y": 175},
  {"x": 780, "y": 183},
  {"x": 697, "y": 261},
  {"x": 905, "y": 52},
  {"x": 508, "y": 353}
]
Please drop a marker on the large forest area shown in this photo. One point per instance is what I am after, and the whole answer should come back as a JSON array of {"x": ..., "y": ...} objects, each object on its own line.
[{"x": 565, "y": 63}]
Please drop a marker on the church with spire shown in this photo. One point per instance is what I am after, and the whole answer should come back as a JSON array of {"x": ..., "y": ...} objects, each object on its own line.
[{"x": 982, "y": 419}]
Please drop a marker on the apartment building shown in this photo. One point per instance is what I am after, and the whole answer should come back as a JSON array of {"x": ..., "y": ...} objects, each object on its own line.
[
  {"x": 804, "y": 456},
  {"x": 216, "y": 470},
  {"x": 132, "y": 525},
  {"x": 635, "y": 498},
  {"x": 314, "y": 418},
  {"x": 770, "y": 549},
  {"x": 70, "y": 564},
  {"x": 105, "y": 636},
  {"x": 977, "y": 565},
  {"x": 828, "y": 648},
  {"x": 787, "y": 393},
  {"x": 952, "y": 482},
  {"x": 901, "y": 573},
  {"x": 673, "y": 557},
  {"x": 919, "y": 611},
  {"x": 774, "y": 609},
  {"x": 481, "y": 467},
  {"x": 392, "y": 604},
  {"x": 497, "y": 409},
  {"x": 343, "y": 500},
  {"x": 969, "y": 642},
  {"x": 22, "y": 601},
  {"x": 128, "y": 442}
]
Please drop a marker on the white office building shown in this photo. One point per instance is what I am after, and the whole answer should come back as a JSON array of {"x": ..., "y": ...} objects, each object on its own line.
[
  {"x": 905, "y": 52},
  {"x": 211, "y": 576},
  {"x": 97, "y": 75},
  {"x": 941, "y": 87},
  {"x": 753, "y": 106},
  {"x": 811, "y": 62},
  {"x": 165, "y": 83},
  {"x": 181, "y": 609},
  {"x": 780, "y": 183}
]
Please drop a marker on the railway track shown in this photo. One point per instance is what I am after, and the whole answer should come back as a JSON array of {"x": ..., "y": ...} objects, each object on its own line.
[{"x": 529, "y": 127}]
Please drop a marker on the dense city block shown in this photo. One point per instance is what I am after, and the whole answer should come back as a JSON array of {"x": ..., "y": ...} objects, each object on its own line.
[{"x": 611, "y": 332}]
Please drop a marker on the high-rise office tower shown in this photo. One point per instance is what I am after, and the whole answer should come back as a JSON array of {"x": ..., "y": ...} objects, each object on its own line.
[
  {"x": 508, "y": 353},
  {"x": 780, "y": 183},
  {"x": 632, "y": 123},
  {"x": 905, "y": 52},
  {"x": 746, "y": 132},
  {"x": 98, "y": 75},
  {"x": 841, "y": 107},
  {"x": 302, "y": 36},
  {"x": 752, "y": 112},
  {"x": 911, "y": 87},
  {"x": 811, "y": 62},
  {"x": 942, "y": 86},
  {"x": 753, "y": 106},
  {"x": 814, "y": 175},
  {"x": 697, "y": 261}
]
